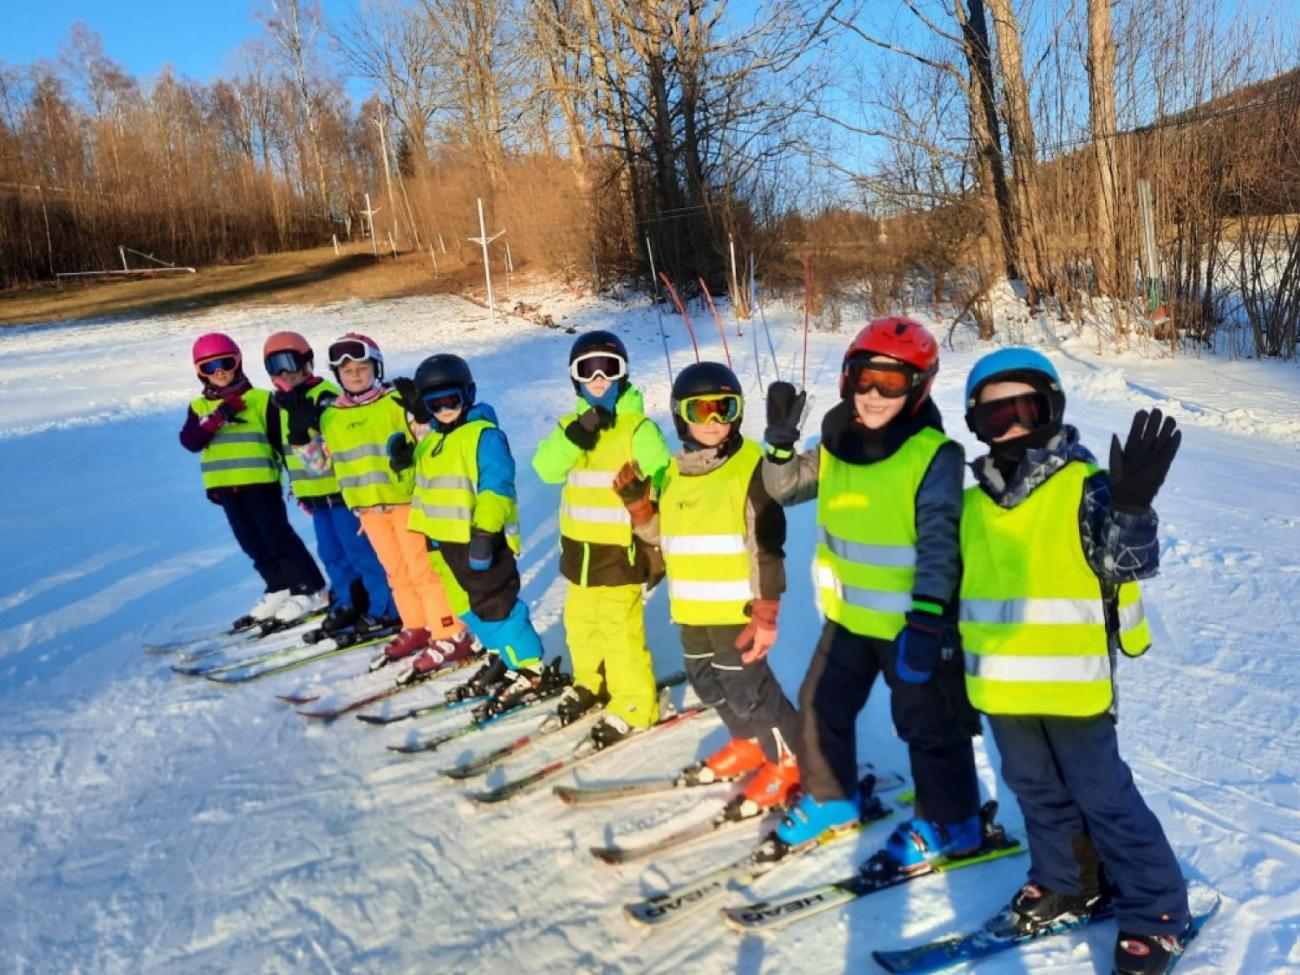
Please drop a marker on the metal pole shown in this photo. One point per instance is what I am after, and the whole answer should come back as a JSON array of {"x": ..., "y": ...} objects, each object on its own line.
[
  {"x": 736, "y": 300},
  {"x": 121, "y": 252},
  {"x": 654, "y": 275},
  {"x": 483, "y": 239},
  {"x": 722, "y": 332},
  {"x": 433, "y": 257}
]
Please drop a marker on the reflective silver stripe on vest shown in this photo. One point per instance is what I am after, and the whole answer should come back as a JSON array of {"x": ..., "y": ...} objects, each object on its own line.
[
  {"x": 303, "y": 474},
  {"x": 455, "y": 512},
  {"x": 512, "y": 530},
  {"x": 591, "y": 479},
  {"x": 1050, "y": 611},
  {"x": 238, "y": 464},
  {"x": 359, "y": 451},
  {"x": 888, "y": 556},
  {"x": 1132, "y": 616},
  {"x": 703, "y": 544},
  {"x": 1038, "y": 670},
  {"x": 601, "y": 516},
  {"x": 709, "y": 592},
  {"x": 220, "y": 439},
  {"x": 362, "y": 480},
  {"x": 881, "y": 602},
  {"x": 449, "y": 482}
]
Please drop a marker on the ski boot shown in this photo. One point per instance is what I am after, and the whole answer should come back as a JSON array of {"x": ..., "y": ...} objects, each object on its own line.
[
  {"x": 264, "y": 609},
  {"x": 1035, "y": 908},
  {"x": 575, "y": 702},
  {"x": 441, "y": 653},
  {"x": 810, "y": 819},
  {"x": 402, "y": 645},
  {"x": 734, "y": 759},
  {"x": 1147, "y": 954},
  {"x": 609, "y": 730},
  {"x": 338, "y": 619},
  {"x": 484, "y": 681},
  {"x": 522, "y": 686},
  {"x": 301, "y": 604},
  {"x": 918, "y": 843},
  {"x": 772, "y": 787}
]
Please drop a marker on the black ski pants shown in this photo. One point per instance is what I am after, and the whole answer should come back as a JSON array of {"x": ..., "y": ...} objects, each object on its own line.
[
  {"x": 934, "y": 719},
  {"x": 492, "y": 592},
  {"x": 260, "y": 523},
  {"x": 748, "y": 696}
]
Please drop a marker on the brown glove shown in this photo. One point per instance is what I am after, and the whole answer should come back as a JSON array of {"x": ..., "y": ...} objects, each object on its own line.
[
  {"x": 634, "y": 489},
  {"x": 760, "y": 633}
]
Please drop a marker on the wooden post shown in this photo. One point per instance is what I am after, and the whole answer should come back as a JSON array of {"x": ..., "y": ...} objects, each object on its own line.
[{"x": 335, "y": 238}]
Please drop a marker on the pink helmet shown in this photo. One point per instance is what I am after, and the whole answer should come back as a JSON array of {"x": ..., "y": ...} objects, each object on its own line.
[
  {"x": 356, "y": 347},
  {"x": 215, "y": 345}
]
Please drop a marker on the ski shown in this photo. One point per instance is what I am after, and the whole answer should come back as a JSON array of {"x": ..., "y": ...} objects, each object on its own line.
[
  {"x": 283, "y": 643},
  {"x": 550, "y": 726},
  {"x": 291, "y": 659},
  {"x": 997, "y": 935},
  {"x": 228, "y": 638},
  {"x": 327, "y": 707},
  {"x": 474, "y": 724},
  {"x": 875, "y": 875},
  {"x": 528, "y": 783},
  {"x": 719, "y": 824},
  {"x": 687, "y": 899}
]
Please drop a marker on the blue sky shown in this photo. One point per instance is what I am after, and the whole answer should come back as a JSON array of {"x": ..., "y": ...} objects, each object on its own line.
[{"x": 195, "y": 36}]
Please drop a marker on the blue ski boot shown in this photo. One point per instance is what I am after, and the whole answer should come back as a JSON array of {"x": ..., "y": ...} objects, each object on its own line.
[
  {"x": 917, "y": 843},
  {"x": 809, "y": 819}
]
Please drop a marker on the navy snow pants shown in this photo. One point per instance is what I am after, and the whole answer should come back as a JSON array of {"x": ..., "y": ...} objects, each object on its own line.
[
  {"x": 260, "y": 523},
  {"x": 749, "y": 699},
  {"x": 934, "y": 719},
  {"x": 1074, "y": 787}
]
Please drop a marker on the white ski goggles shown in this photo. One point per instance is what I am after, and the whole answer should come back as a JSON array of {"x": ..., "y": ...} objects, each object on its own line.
[{"x": 593, "y": 365}]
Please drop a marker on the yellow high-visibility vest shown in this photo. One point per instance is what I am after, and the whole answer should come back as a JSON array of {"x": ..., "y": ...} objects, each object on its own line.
[
  {"x": 590, "y": 510},
  {"x": 305, "y": 482},
  {"x": 446, "y": 482},
  {"x": 1032, "y": 616},
  {"x": 240, "y": 452},
  {"x": 357, "y": 437},
  {"x": 866, "y": 536},
  {"x": 702, "y": 536}
]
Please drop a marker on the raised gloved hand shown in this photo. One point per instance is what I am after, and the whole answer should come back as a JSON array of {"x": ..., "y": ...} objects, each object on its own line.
[
  {"x": 584, "y": 431},
  {"x": 920, "y": 645},
  {"x": 1138, "y": 470},
  {"x": 301, "y": 413},
  {"x": 411, "y": 400},
  {"x": 634, "y": 490},
  {"x": 231, "y": 407},
  {"x": 482, "y": 547},
  {"x": 784, "y": 411},
  {"x": 759, "y": 634},
  {"x": 401, "y": 452}
]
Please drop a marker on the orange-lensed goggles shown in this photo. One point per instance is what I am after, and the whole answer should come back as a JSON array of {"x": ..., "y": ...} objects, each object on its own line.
[
  {"x": 710, "y": 408},
  {"x": 890, "y": 380}
]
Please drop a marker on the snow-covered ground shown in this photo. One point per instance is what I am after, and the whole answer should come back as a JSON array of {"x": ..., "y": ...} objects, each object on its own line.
[{"x": 150, "y": 823}]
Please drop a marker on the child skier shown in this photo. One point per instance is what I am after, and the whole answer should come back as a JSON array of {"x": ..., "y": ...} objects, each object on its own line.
[
  {"x": 722, "y": 537},
  {"x": 236, "y": 431},
  {"x": 344, "y": 551},
  {"x": 888, "y": 486},
  {"x": 465, "y": 506},
  {"x": 603, "y": 561},
  {"x": 1052, "y": 548},
  {"x": 355, "y": 431}
]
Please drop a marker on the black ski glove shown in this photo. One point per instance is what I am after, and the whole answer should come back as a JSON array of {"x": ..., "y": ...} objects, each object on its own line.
[
  {"x": 584, "y": 432},
  {"x": 1137, "y": 471},
  {"x": 401, "y": 452},
  {"x": 301, "y": 412},
  {"x": 230, "y": 408},
  {"x": 784, "y": 411},
  {"x": 411, "y": 400}
]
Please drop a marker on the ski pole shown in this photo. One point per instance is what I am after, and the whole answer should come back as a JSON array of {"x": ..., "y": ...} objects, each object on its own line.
[
  {"x": 762, "y": 317},
  {"x": 722, "y": 332},
  {"x": 690, "y": 329}
]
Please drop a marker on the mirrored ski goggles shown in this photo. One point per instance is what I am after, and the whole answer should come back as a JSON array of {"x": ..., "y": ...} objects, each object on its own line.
[
  {"x": 278, "y": 363},
  {"x": 227, "y": 363},
  {"x": 604, "y": 365},
  {"x": 447, "y": 398},
  {"x": 710, "y": 408},
  {"x": 348, "y": 350},
  {"x": 993, "y": 419},
  {"x": 891, "y": 380}
]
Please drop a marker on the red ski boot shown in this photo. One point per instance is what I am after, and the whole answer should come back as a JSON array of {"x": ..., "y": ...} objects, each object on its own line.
[
  {"x": 731, "y": 761},
  {"x": 402, "y": 645},
  {"x": 442, "y": 653},
  {"x": 773, "y": 787}
]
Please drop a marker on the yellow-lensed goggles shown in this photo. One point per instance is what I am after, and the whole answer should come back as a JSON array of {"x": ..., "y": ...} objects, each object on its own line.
[{"x": 710, "y": 408}]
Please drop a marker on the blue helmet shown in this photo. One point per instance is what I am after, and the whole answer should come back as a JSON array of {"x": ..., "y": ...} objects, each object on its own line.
[{"x": 1016, "y": 362}]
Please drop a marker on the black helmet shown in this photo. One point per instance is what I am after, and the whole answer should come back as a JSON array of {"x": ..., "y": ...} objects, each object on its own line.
[
  {"x": 703, "y": 379},
  {"x": 595, "y": 344},
  {"x": 445, "y": 371}
]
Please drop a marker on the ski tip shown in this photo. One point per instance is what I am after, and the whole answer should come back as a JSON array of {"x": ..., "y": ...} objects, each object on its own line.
[
  {"x": 565, "y": 794},
  {"x": 606, "y": 855}
]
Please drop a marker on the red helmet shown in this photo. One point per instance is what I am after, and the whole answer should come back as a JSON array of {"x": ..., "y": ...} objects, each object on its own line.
[
  {"x": 286, "y": 342},
  {"x": 899, "y": 338},
  {"x": 215, "y": 345}
]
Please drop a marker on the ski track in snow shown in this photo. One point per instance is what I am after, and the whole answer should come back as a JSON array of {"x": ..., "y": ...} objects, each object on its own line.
[{"x": 150, "y": 823}]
